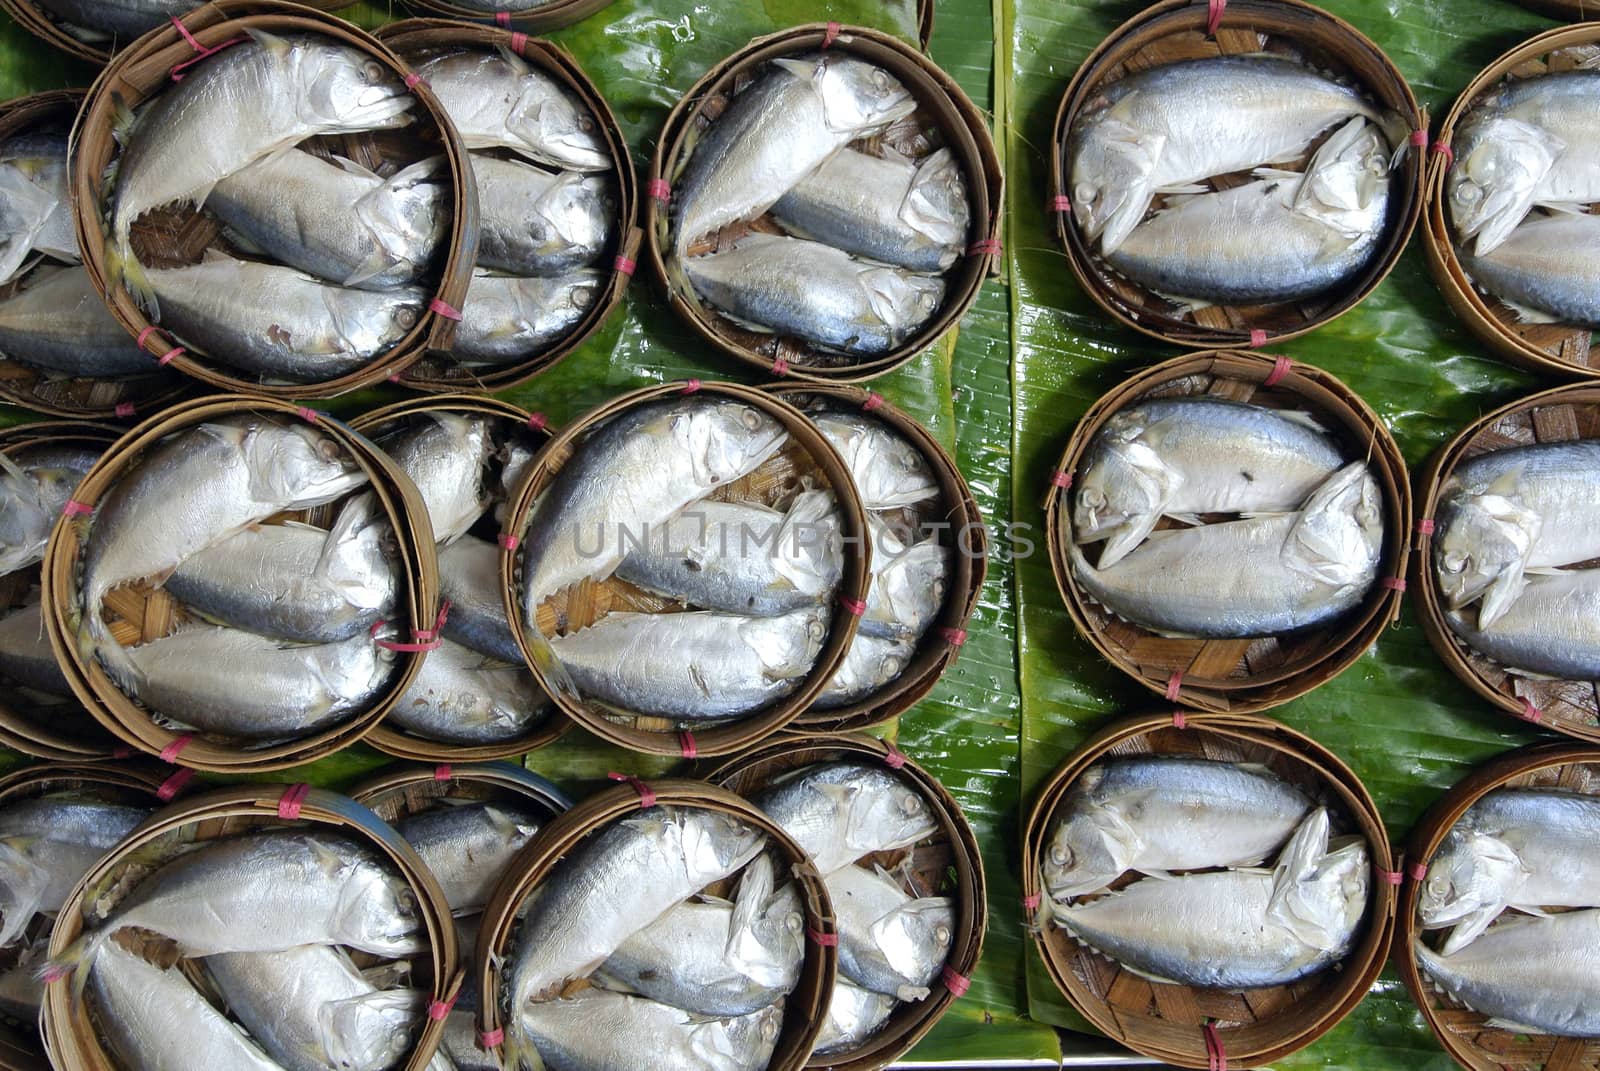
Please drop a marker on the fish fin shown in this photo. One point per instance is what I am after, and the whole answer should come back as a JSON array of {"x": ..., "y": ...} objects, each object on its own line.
[
  {"x": 1574, "y": 208},
  {"x": 1515, "y": 1028},
  {"x": 806, "y": 70},
  {"x": 124, "y": 269},
  {"x": 1467, "y": 930},
  {"x": 1501, "y": 593},
  {"x": 278, "y": 46},
  {"x": 326, "y": 858},
  {"x": 1149, "y": 976},
  {"x": 14, "y": 470},
  {"x": 1528, "y": 314},
  {"x": 22, "y": 890},
  {"x": 122, "y": 118},
  {"x": 344, "y": 163},
  {"x": 376, "y": 264},
  {"x": 1191, "y": 519},
  {"x": 550, "y": 670},
  {"x": 1189, "y": 189},
  {"x": 1301, "y": 417},
  {"x": 519, "y": 64},
  {"x": 242, "y": 241},
  {"x": 75, "y": 961},
  {"x": 1154, "y": 873},
  {"x": 1126, "y": 538}
]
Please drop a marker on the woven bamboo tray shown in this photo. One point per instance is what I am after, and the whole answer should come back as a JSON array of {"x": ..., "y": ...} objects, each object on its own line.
[
  {"x": 943, "y": 105},
  {"x": 949, "y": 861},
  {"x": 1174, "y": 30},
  {"x": 405, "y": 789},
  {"x": 1241, "y": 675},
  {"x": 33, "y": 18},
  {"x": 1187, "y": 1026},
  {"x": 535, "y": 18}
]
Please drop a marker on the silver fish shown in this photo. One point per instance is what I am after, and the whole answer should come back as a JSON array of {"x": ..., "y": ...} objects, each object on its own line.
[
  {"x": 156, "y": 1021},
  {"x": 887, "y": 470},
  {"x": 469, "y": 576},
  {"x": 21, "y": 990},
  {"x": 35, "y": 202},
  {"x": 498, "y": 101},
  {"x": 1159, "y": 813},
  {"x": 26, "y": 656},
  {"x": 468, "y": 847},
  {"x": 35, "y": 483},
  {"x": 871, "y": 664},
  {"x": 913, "y": 215},
  {"x": 841, "y": 811},
  {"x": 717, "y": 958},
  {"x": 447, "y": 456},
  {"x": 60, "y": 323},
  {"x": 1543, "y": 270},
  {"x": 536, "y": 222},
  {"x": 601, "y": 1031},
  {"x": 740, "y": 557},
  {"x": 338, "y": 220},
  {"x": 889, "y": 942},
  {"x": 1256, "y": 577},
  {"x": 854, "y": 1016},
  {"x": 126, "y": 19},
  {"x": 310, "y": 1009},
  {"x": 791, "y": 286},
  {"x": 694, "y": 666},
  {"x": 462, "y": 697},
  {"x": 508, "y": 319},
  {"x": 1516, "y": 847},
  {"x": 1235, "y": 929},
  {"x": 1529, "y": 975},
  {"x": 1181, "y": 123},
  {"x": 1491, "y": 525},
  {"x": 1551, "y": 630},
  {"x": 46, "y": 844},
  {"x": 279, "y": 323},
  {"x": 908, "y": 583},
  {"x": 801, "y": 111},
  {"x": 1186, "y": 456},
  {"x": 294, "y": 581}
]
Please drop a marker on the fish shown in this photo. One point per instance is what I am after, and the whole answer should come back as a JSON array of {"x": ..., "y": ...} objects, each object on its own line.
[
  {"x": 279, "y": 323},
  {"x": 462, "y": 697},
  {"x": 839, "y": 812},
  {"x": 310, "y": 1008},
  {"x": 773, "y": 284},
  {"x": 1491, "y": 516},
  {"x": 469, "y": 576},
  {"x": 695, "y": 666},
  {"x": 58, "y": 322},
  {"x": 596, "y": 1030},
  {"x": 297, "y": 582},
  {"x": 497, "y": 100},
  {"x": 35, "y": 203},
  {"x": 740, "y": 557},
  {"x": 35, "y": 484},
  {"x": 889, "y": 942},
  {"x": 468, "y": 847},
  {"x": 1256, "y": 577},
  {"x": 911, "y": 214},
  {"x": 155, "y": 1020},
  {"x": 1543, "y": 270},
  {"x": 1550, "y": 630},
  {"x": 508, "y": 319},
  {"x": 192, "y": 491},
  {"x": 537, "y": 222},
  {"x": 1235, "y": 929},
  {"x": 336, "y": 219},
  {"x": 1530, "y": 975},
  {"x": 459, "y": 1048},
  {"x": 854, "y": 1016},
  {"x": 887, "y": 470},
  {"x": 1514, "y": 848},
  {"x": 21, "y": 990},
  {"x": 1528, "y": 142},
  {"x": 1178, "y": 457},
  {"x": 715, "y": 958},
  {"x": 126, "y": 19},
  {"x": 46, "y": 844},
  {"x": 871, "y": 664},
  {"x": 1171, "y": 126},
  {"x": 791, "y": 120},
  {"x": 447, "y": 455},
  {"x": 908, "y": 584},
  {"x": 1286, "y": 236}
]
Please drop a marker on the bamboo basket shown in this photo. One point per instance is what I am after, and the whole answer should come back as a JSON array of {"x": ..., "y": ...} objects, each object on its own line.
[
  {"x": 948, "y": 860},
  {"x": 1558, "y": 415},
  {"x": 142, "y": 614},
  {"x": 582, "y": 604},
  {"x": 69, "y": 1031},
  {"x": 22, "y": 384},
  {"x": 964, "y": 532},
  {"x": 1463, "y": 1033},
  {"x": 1241, "y": 675},
  {"x": 1174, "y": 30},
  {"x": 534, "y": 430},
  {"x": 1558, "y": 349},
  {"x": 176, "y": 236},
  {"x": 534, "y": 18},
  {"x": 1188, "y": 1026},
  {"x": 802, "y": 1013},
  {"x": 21, "y": 1047},
  {"x": 415, "y": 40},
  {"x": 1574, "y": 10},
  {"x": 943, "y": 106},
  {"x": 31, "y": 16}
]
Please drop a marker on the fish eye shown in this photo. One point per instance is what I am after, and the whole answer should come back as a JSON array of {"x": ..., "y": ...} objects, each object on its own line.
[
  {"x": 1061, "y": 855},
  {"x": 1092, "y": 498},
  {"x": 793, "y": 922},
  {"x": 585, "y": 124},
  {"x": 406, "y": 316},
  {"x": 582, "y": 296},
  {"x": 750, "y": 419},
  {"x": 941, "y": 935},
  {"x": 910, "y": 804},
  {"x": 880, "y": 79},
  {"x": 1455, "y": 562},
  {"x": 1468, "y": 192},
  {"x": 372, "y": 71},
  {"x": 1084, "y": 194}
]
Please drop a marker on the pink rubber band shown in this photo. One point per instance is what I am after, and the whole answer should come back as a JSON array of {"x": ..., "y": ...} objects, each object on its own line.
[
  {"x": 659, "y": 190},
  {"x": 686, "y": 745},
  {"x": 690, "y": 386},
  {"x": 647, "y": 795},
  {"x": 1418, "y": 139},
  {"x": 1216, "y": 1055},
  {"x": 492, "y": 1039},
  {"x": 856, "y": 607},
  {"x": 1060, "y": 203},
  {"x": 423, "y": 639},
  {"x": 955, "y": 637},
  {"x": 625, "y": 265},
  {"x": 538, "y": 421},
  {"x": 1425, "y": 526},
  {"x": 176, "y": 71},
  {"x": 171, "y": 355},
  {"x": 1280, "y": 368},
  {"x": 1214, "y": 10},
  {"x": 1417, "y": 871},
  {"x": 145, "y": 333},
  {"x": 122, "y": 752},
  {"x": 831, "y": 35},
  {"x": 1442, "y": 147},
  {"x": 989, "y": 247},
  {"x": 1174, "y": 686},
  {"x": 1031, "y": 903},
  {"x": 957, "y": 983},
  {"x": 74, "y": 508},
  {"x": 124, "y": 410},
  {"x": 439, "y": 1010},
  {"x": 393, "y": 377},
  {"x": 413, "y": 80},
  {"x": 1391, "y": 877},
  {"x": 1180, "y": 720},
  {"x": 519, "y": 40},
  {"x": 508, "y": 541},
  {"x": 780, "y": 367},
  {"x": 183, "y": 31},
  {"x": 1394, "y": 583},
  {"x": 443, "y": 772},
  {"x": 1062, "y": 480},
  {"x": 502, "y": 18},
  {"x": 1258, "y": 338},
  {"x": 293, "y": 798},
  {"x": 1529, "y": 711},
  {"x": 174, "y": 785},
  {"x": 823, "y": 940},
  {"x": 873, "y": 403},
  {"x": 449, "y": 312},
  {"x": 310, "y": 416},
  {"x": 893, "y": 757},
  {"x": 170, "y": 753}
]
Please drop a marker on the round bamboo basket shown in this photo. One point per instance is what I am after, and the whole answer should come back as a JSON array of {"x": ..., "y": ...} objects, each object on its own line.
[
  {"x": 1188, "y": 1026},
  {"x": 1558, "y": 349},
  {"x": 925, "y": 17},
  {"x": 177, "y": 236},
  {"x": 1175, "y": 30},
  {"x": 141, "y": 614},
  {"x": 534, "y": 18},
  {"x": 956, "y": 521},
  {"x": 802, "y": 1013},
  {"x": 1558, "y": 415},
  {"x": 25, "y": 385},
  {"x": 949, "y": 861},
  {"x": 1464, "y": 1034},
  {"x": 34, "y": 18},
  {"x": 69, "y": 1030},
  {"x": 533, "y": 429},
  {"x": 405, "y": 789},
  {"x": 943, "y": 107},
  {"x": 21, "y": 1047},
  {"x": 1241, "y": 675},
  {"x": 416, "y": 40},
  {"x": 582, "y": 604}
]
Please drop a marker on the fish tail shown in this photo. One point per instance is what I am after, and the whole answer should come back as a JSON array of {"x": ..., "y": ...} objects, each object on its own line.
[
  {"x": 123, "y": 269},
  {"x": 122, "y": 118},
  {"x": 551, "y": 672},
  {"x": 96, "y": 640},
  {"x": 75, "y": 962}
]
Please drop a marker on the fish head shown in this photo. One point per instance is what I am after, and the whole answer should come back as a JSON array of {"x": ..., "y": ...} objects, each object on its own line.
[
  {"x": 857, "y": 97},
  {"x": 1323, "y": 905},
  {"x": 1472, "y": 871},
  {"x": 882, "y": 809},
  {"x": 371, "y": 322},
  {"x": 408, "y": 212},
  {"x": 766, "y": 941},
  {"x": 887, "y": 469},
  {"x": 937, "y": 205},
  {"x": 552, "y": 124},
  {"x": 1494, "y": 182},
  {"x": 1112, "y": 167},
  {"x": 1091, "y": 848},
  {"x": 369, "y": 1031},
  {"x": 726, "y": 439},
  {"x": 1122, "y": 493},
  {"x": 739, "y": 1042},
  {"x": 296, "y": 466},
  {"x": 1339, "y": 532},
  {"x": 903, "y": 303},
  {"x": 1484, "y": 541},
  {"x": 343, "y": 89},
  {"x": 377, "y": 912},
  {"x": 916, "y": 937},
  {"x": 787, "y": 646},
  {"x": 1346, "y": 184},
  {"x": 570, "y": 212},
  {"x": 910, "y": 586},
  {"x": 808, "y": 550},
  {"x": 358, "y": 557},
  {"x": 714, "y": 844}
]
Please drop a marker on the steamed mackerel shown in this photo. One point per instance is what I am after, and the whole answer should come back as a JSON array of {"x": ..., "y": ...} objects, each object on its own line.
[
  {"x": 854, "y": 1016},
  {"x": 46, "y": 844},
  {"x": 60, "y": 323},
  {"x": 35, "y": 484},
  {"x": 26, "y": 656},
  {"x": 508, "y": 319},
  {"x": 871, "y": 663},
  {"x": 469, "y": 576},
  {"x": 462, "y": 697},
  {"x": 596, "y": 1030},
  {"x": 1529, "y": 975},
  {"x": 1545, "y": 270},
  {"x": 1551, "y": 630},
  {"x": 887, "y": 470},
  {"x": 468, "y": 847},
  {"x": 447, "y": 455},
  {"x": 537, "y": 222},
  {"x": 908, "y": 584},
  {"x": 126, "y": 19},
  {"x": 497, "y": 100},
  {"x": 889, "y": 941},
  {"x": 840, "y": 811},
  {"x": 35, "y": 202}
]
